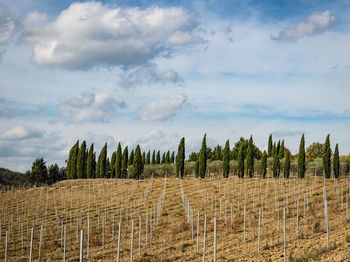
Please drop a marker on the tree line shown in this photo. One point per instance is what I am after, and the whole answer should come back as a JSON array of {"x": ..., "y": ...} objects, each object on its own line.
[{"x": 83, "y": 162}]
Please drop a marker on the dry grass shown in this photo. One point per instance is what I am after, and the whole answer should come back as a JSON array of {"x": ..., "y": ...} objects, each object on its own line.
[{"x": 102, "y": 200}]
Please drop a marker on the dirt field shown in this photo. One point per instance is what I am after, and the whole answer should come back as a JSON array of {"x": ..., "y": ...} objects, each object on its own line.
[{"x": 103, "y": 203}]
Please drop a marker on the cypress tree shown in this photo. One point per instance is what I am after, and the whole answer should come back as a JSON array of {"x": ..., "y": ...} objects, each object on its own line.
[
  {"x": 163, "y": 159},
  {"x": 143, "y": 158},
  {"x": 112, "y": 166},
  {"x": 85, "y": 161},
  {"x": 226, "y": 160},
  {"x": 263, "y": 165},
  {"x": 202, "y": 158},
  {"x": 269, "y": 146},
  {"x": 74, "y": 162},
  {"x": 301, "y": 158},
  {"x": 172, "y": 158},
  {"x": 102, "y": 167},
  {"x": 281, "y": 151},
  {"x": 69, "y": 163},
  {"x": 158, "y": 158},
  {"x": 287, "y": 166},
  {"x": 89, "y": 164},
  {"x": 196, "y": 169},
  {"x": 131, "y": 158},
  {"x": 94, "y": 165},
  {"x": 241, "y": 161},
  {"x": 108, "y": 168},
  {"x": 273, "y": 149},
  {"x": 250, "y": 158},
  {"x": 180, "y": 159},
  {"x": 118, "y": 162},
  {"x": 278, "y": 147},
  {"x": 137, "y": 164},
  {"x": 125, "y": 163},
  {"x": 327, "y": 158},
  {"x": 167, "y": 157},
  {"x": 276, "y": 165},
  {"x": 154, "y": 157},
  {"x": 336, "y": 164},
  {"x": 148, "y": 158}
]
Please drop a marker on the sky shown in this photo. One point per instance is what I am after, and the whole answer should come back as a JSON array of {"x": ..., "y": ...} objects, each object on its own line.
[{"x": 152, "y": 72}]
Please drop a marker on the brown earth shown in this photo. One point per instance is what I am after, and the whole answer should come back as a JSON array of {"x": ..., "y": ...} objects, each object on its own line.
[{"x": 171, "y": 239}]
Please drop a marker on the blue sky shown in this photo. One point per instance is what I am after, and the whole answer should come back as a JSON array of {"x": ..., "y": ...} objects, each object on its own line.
[{"x": 150, "y": 72}]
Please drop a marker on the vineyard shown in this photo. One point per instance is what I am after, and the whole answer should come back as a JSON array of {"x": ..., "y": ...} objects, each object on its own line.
[{"x": 169, "y": 219}]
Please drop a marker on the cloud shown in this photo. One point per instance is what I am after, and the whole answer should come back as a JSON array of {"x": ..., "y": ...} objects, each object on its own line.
[
  {"x": 91, "y": 34},
  {"x": 11, "y": 109},
  {"x": 149, "y": 75},
  {"x": 90, "y": 107},
  {"x": 35, "y": 18},
  {"x": 287, "y": 133},
  {"x": 7, "y": 28},
  {"x": 315, "y": 23},
  {"x": 161, "y": 109}
]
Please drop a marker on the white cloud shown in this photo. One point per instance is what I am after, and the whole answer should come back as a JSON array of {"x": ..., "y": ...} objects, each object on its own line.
[
  {"x": 287, "y": 133},
  {"x": 90, "y": 107},
  {"x": 92, "y": 34},
  {"x": 35, "y": 18},
  {"x": 162, "y": 109},
  {"x": 7, "y": 25},
  {"x": 316, "y": 23},
  {"x": 21, "y": 133},
  {"x": 149, "y": 75}
]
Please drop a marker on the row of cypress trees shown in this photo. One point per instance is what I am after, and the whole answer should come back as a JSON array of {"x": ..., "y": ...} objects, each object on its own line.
[{"x": 81, "y": 162}]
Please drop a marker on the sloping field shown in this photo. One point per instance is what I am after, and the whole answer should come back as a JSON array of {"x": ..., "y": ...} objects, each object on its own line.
[{"x": 171, "y": 208}]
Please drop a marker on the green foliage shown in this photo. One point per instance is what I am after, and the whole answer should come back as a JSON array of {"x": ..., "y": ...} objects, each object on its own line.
[
  {"x": 81, "y": 165},
  {"x": 11, "y": 178},
  {"x": 287, "y": 166},
  {"x": 226, "y": 159},
  {"x": 73, "y": 162},
  {"x": 54, "y": 174},
  {"x": 102, "y": 162},
  {"x": 263, "y": 165},
  {"x": 281, "y": 150},
  {"x": 301, "y": 158},
  {"x": 180, "y": 159},
  {"x": 131, "y": 158},
  {"x": 241, "y": 162},
  {"x": 112, "y": 165},
  {"x": 158, "y": 158},
  {"x": 196, "y": 169},
  {"x": 327, "y": 157},
  {"x": 250, "y": 158},
  {"x": 90, "y": 163},
  {"x": 172, "y": 158},
  {"x": 217, "y": 153},
  {"x": 154, "y": 157},
  {"x": 193, "y": 156},
  {"x": 125, "y": 163},
  {"x": 276, "y": 165},
  {"x": 336, "y": 165},
  {"x": 118, "y": 162},
  {"x": 137, "y": 164},
  {"x": 269, "y": 147},
  {"x": 167, "y": 157},
  {"x": 148, "y": 158},
  {"x": 202, "y": 158},
  {"x": 40, "y": 174},
  {"x": 315, "y": 150},
  {"x": 163, "y": 159},
  {"x": 274, "y": 149},
  {"x": 241, "y": 143}
]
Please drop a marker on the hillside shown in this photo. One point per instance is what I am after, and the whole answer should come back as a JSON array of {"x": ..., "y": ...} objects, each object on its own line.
[
  {"x": 9, "y": 178},
  {"x": 170, "y": 209}
]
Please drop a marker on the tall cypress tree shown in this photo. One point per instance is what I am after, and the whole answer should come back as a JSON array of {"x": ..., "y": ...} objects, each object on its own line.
[
  {"x": 327, "y": 157},
  {"x": 273, "y": 149},
  {"x": 148, "y": 158},
  {"x": 336, "y": 164},
  {"x": 287, "y": 166},
  {"x": 263, "y": 165},
  {"x": 301, "y": 158},
  {"x": 172, "y": 158},
  {"x": 226, "y": 160},
  {"x": 163, "y": 159},
  {"x": 167, "y": 157},
  {"x": 137, "y": 164},
  {"x": 125, "y": 163},
  {"x": 154, "y": 157},
  {"x": 241, "y": 161},
  {"x": 202, "y": 158},
  {"x": 94, "y": 166},
  {"x": 281, "y": 151},
  {"x": 158, "y": 158},
  {"x": 89, "y": 164},
  {"x": 196, "y": 169},
  {"x": 276, "y": 165},
  {"x": 180, "y": 159},
  {"x": 113, "y": 159},
  {"x": 250, "y": 158},
  {"x": 278, "y": 147},
  {"x": 269, "y": 146},
  {"x": 131, "y": 158},
  {"x": 74, "y": 162},
  {"x": 102, "y": 168},
  {"x": 108, "y": 168},
  {"x": 69, "y": 163},
  {"x": 143, "y": 158},
  {"x": 118, "y": 162}
]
